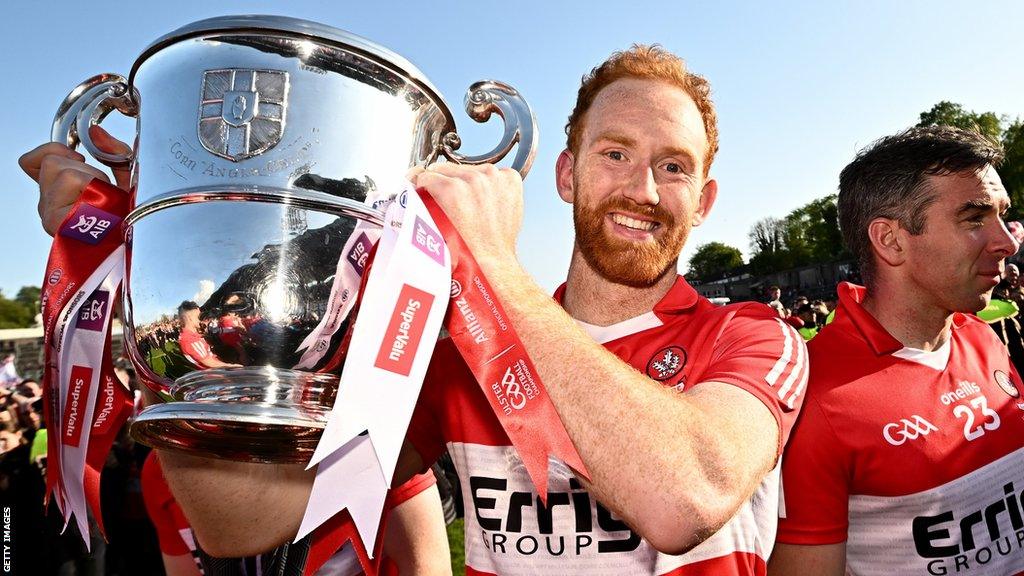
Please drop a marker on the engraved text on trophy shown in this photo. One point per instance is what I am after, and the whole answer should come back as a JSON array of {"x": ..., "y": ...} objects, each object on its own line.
[{"x": 242, "y": 112}]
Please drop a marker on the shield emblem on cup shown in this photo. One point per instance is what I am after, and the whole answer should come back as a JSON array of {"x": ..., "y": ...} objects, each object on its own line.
[{"x": 242, "y": 112}]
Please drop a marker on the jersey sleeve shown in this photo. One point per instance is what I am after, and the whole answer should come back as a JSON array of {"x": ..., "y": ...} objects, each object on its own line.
[
  {"x": 766, "y": 357},
  {"x": 412, "y": 487},
  {"x": 162, "y": 508},
  {"x": 815, "y": 491}
]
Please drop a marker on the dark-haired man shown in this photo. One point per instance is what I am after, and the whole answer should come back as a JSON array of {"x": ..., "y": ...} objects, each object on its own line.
[{"x": 909, "y": 456}]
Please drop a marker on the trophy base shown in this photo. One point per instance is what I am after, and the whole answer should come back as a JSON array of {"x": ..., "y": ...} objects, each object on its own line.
[{"x": 245, "y": 414}]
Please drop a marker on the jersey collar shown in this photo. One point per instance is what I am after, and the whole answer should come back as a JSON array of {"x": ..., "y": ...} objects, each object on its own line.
[
  {"x": 679, "y": 298},
  {"x": 850, "y": 298}
]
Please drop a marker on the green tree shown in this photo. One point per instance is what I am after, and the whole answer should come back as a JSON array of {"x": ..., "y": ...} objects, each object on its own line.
[
  {"x": 952, "y": 114},
  {"x": 768, "y": 247},
  {"x": 1011, "y": 171},
  {"x": 29, "y": 296},
  {"x": 808, "y": 235},
  {"x": 15, "y": 314},
  {"x": 714, "y": 258},
  {"x": 818, "y": 225}
]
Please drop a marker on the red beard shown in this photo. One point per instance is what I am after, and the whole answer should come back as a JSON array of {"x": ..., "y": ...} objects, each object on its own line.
[{"x": 632, "y": 263}]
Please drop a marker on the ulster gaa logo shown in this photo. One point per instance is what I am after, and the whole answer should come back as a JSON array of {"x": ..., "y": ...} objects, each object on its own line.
[
  {"x": 241, "y": 111},
  {"x": 666, "y": 363}
]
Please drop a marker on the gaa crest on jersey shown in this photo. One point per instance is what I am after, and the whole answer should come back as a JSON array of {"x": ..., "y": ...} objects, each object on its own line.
[
  {"x": 666, "y": 363},
  {"x": 1004, "y": 382},
  {"x": 242, "y": 111}
]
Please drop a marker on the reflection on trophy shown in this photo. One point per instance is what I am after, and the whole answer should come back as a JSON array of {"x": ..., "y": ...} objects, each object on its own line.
[{"x": 264, "y": 148}]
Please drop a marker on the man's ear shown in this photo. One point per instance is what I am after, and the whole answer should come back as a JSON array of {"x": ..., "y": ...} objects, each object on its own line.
[
  {"x": 564, "y": 176},
  {"x": 708, "y": 195},
  {"x": 886, "y": 237}
]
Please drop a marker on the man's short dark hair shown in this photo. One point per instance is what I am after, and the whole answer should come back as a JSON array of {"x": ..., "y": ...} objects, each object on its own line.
[
  {"x": 888, "y": 179},
  {"x": 187, "y": 305}
]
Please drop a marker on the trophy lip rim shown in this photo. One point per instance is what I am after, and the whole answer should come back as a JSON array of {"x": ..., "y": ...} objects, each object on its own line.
[
  {"x": 306, "y": 199},
  {"x": 241, "y": 23}
]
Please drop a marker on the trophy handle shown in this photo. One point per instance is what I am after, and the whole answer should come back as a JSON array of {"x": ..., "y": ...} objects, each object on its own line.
[
  {"x": 482, "y": 99},
  {"x": 87, "y": 105}
]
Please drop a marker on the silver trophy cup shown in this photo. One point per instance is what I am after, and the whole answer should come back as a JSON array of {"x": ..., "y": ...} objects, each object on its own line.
[{"x": 261, "y": 144}]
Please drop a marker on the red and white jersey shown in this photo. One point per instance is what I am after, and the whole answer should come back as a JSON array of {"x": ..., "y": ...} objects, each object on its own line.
[
  {"x": 194, "y": 346},
  {"x": 684, "y": 342},
  {"x": 914, "y": 459}
]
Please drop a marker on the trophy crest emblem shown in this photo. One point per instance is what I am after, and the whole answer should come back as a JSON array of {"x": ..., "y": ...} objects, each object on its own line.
[{"x": 242, "y": 111}]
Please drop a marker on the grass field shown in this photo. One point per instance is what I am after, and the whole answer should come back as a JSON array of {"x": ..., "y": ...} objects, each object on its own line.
[{"x": 456, "y": 541}]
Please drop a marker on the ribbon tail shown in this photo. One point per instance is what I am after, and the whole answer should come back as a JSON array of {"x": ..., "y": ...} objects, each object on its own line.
[{"x": 355, "y": 467}]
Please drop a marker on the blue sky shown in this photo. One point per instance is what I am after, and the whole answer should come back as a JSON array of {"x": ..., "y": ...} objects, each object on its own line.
[{"x": 800, "y": 86}]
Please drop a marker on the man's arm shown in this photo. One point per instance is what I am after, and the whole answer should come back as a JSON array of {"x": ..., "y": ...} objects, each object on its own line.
[
  {"x": 415, "y": 538},
  {"x": 796, "y": 560},
  {"x": 212, "y": 361},
  {"x": 674, "y": 466}
]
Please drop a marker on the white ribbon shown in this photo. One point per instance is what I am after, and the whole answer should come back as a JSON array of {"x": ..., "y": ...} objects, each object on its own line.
[
  {"x": 401, "y": 314},
  {"x": 84, "y": 324},
  {"x": 347, "y": 277}
]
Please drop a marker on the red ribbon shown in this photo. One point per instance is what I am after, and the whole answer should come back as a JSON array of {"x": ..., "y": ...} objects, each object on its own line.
[
  {"x": 73, "y": 258},
  {"x": 484, "y": 336}
]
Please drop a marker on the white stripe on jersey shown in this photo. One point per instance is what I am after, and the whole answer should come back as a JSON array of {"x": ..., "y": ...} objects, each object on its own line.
[
  {"x": 962, "y": 515},
  {"x": 574, "y": 540},
  {"x": 783, "y": 361},
  {"x": 804, "y": 375},
  {"x": 200, "y": 349},
  {"x": 798, "y": 369}
]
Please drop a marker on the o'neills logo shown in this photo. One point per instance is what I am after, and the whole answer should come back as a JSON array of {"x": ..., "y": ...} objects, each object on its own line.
[
  {"x": 402, "y": 337},
  {"x": 74, "y": 410}
]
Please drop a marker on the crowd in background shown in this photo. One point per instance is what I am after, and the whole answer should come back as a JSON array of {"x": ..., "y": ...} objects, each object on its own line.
[{"x": 40, "y": 546}]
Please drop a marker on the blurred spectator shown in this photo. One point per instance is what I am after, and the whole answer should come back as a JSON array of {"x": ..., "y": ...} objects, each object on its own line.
[
  {"x": 231, "y": 328},
  {"x": 9, "y": 373},
  {"x": 809, "y": 317},
  {"x": 1002, "y": 315},
  {"x": 774, "y": 301}
]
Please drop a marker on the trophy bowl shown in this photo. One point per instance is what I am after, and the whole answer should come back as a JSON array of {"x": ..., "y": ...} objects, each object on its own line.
[{"x": 264, "y": 148}]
